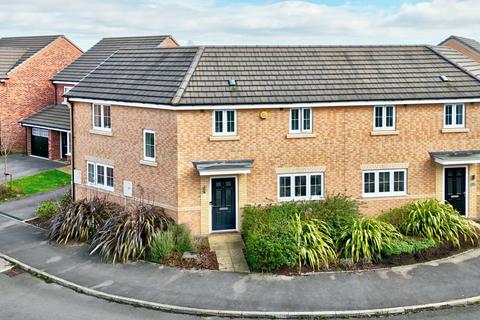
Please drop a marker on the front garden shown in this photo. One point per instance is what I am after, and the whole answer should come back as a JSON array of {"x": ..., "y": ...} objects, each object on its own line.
[
  {"x": 332, "y": 235},
  {"x": 120, "y": 234}
]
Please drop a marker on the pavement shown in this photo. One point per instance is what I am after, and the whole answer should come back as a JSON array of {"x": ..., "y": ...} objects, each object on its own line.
[
  {"x": 24, "y": 208},
  {"x": 19, "y": 165},
  {"x": 25, "y": 297},
  {"x": 425, "y": 286},
  {"x": 228, "y": 248}
]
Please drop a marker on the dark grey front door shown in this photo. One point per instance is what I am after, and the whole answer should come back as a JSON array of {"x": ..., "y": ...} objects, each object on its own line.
[
  {"x": 455, "y": 188},
  {"x": 223, "y": 204}
]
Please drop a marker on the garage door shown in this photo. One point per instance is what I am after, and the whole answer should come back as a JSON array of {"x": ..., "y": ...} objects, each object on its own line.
[{"x": 40, "y": 142}]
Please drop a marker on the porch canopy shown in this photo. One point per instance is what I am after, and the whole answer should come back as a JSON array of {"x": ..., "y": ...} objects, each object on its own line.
[
  {"x": 54, "y": 117},
  {"x": 456, "y": 157},
  {"x": 223, "y": 167}
]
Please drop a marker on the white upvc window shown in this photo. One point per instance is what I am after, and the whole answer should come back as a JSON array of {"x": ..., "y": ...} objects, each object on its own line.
[
  {"x": 69, "y": 143},
  {"x": 384, "y": 183},
  {"x": 301, "y": 120},
  {"x": 101, "y": 117},
  {"x": 149, "y": 149},
  {"x": 100, "y": 175},
  {"x": 224, "y": 122},
  {"x": 65, "y": 90},
  {"x": 454, "y": 115},
  {"x": 384, "y": 118},
  {"x": 301, "y": 186}
]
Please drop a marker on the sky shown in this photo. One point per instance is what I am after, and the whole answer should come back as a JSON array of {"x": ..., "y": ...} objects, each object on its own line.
[{"x": 252, "y": 22}]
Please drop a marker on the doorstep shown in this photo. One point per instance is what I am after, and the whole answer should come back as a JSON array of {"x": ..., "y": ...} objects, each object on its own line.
[{"x": 229, "y": 250}]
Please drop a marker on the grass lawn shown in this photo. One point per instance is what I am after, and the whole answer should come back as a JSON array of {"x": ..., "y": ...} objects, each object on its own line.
[{"x": 41, "y": 182}]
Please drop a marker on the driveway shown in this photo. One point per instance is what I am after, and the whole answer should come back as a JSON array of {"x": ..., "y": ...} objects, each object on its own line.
[
  {"x": 20, "y": 165},
  {"x": 24, "y": 209}
]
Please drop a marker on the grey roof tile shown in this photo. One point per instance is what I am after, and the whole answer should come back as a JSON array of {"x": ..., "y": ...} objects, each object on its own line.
[
  {"x": 77, "y": 70},
  {"x": 459, "y": 59},
  {"x": 55, "y": 116},
  {"x": 277, "y": 75},
  {"x": 16, "y": 50}
]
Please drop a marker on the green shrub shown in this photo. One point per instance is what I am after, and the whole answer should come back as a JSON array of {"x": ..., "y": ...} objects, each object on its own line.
[
  {"x": 270, "y": 241},
  {"x": 80, "y": 220},
  {"x": 47, "y": 209},
  {"x": 396, "y": 216},
  {"x": 175, "y": 239},
  {"x": 407, "y": 246},
  {"x": 163, "y": 245},
  {"x": 128, "y": 235},
  {"x": 365, "y": 239},
  {"x": 438, "y": 221},
  {"x": 315, "y": 245}
]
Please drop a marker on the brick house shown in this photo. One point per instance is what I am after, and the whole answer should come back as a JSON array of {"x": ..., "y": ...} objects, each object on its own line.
[
  {"x": 51, "y": 125},
  {"x": 26, "y": 66},
  {"x": 204, "y": 131}
]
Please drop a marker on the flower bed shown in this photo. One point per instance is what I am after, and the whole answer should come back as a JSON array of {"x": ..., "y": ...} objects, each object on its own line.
[
  {"x": 121, "y": 234},
  {"x": 331, "y": 235}
]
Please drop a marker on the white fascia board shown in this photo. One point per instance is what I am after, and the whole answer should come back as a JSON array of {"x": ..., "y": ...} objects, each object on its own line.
[
  {"x": 456, "y": 161},
  {"x": 65, "y": 82},
  {"x": 224, "y": 172},
  {"x": 42, "y": 127},
  {"x": 273, "y": 106}
]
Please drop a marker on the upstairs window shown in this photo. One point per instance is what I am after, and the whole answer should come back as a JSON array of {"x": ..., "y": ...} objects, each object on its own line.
[
  {"x": 65, "y": 90},
  {"x": 306, "y": 186},
  {"x": 100, "y": 175},
  {"x": 101, "y": 117},
  {"x": 380, "y": 183},
  {"x": 301, "y": 120},
  {"x": 149, "y": 151},
  {"x": 384, "y": 118},
  {"x": 224, "y": 122},
  {"x": 454, "y": 116}
]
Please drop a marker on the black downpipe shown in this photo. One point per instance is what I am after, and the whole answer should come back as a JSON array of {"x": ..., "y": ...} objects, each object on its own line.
[{"x": 72, "y": 148}]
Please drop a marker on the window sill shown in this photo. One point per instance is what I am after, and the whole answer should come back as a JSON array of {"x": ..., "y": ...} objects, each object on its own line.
[
  {"x": 384, "y": 133},
  {"x": 95, "y": 186},
  {"x": 301, "y": 135},
  {"x": 101, "y": 132},
  {"x": 224, "y": 138},
  {"x": 383, "y": 196},
  {"x": 455, "y": 130},
  {"x": 149, "y": 163}
]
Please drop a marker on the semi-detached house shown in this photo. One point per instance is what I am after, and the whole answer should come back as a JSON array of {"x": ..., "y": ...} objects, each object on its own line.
[
  {"x": 50, "y": 126},
  {"x": 205, "y": 131}
]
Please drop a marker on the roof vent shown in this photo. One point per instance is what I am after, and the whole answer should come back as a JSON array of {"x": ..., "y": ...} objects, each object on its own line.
[
  {"x": 444, "y": 78},
  {"x": 232, "y": 82}
]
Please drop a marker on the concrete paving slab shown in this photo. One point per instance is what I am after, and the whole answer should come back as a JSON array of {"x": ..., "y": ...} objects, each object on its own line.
[{"x": 4, "y": 265}]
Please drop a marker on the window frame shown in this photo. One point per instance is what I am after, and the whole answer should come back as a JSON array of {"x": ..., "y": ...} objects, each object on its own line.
[
  {"x": 454, "y": 124},
  {"x": 224, "y": 131},
  {"x": 145, "y": 157},
  {"x": 391, "y": 180},
  {"x": 65, "y": 90},
  {"x": 102, "y": 126},
  {"x": 69, "y": 142},
  {"x": 301, "y": 128},
  {"x": 308, "y": 195},
  {"x": 96, "y": 184},
  {"x": 384, "y": 126}
]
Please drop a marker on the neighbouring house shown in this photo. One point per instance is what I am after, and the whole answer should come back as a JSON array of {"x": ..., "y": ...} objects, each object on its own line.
[
  {"x": 27, "y": 65},
  {"x": 205, "y": 131},
  {"x": 49, "y": 129},
  {"x": 463, "y": 52}
]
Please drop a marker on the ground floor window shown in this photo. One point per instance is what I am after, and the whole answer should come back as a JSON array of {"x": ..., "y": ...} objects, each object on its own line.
[
  {"x": 385, "y": 182},
  {"x": 100, "y": 175},
  {"x": 302, "y": 186}
]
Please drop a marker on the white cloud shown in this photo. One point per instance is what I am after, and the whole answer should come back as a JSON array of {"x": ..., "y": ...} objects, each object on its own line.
[{"x": 273, "y": 22}]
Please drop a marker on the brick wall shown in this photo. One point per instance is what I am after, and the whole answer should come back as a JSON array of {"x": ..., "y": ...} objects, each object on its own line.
[
  {"x": 53, "y": 145},
  {"x": 343, "y": 143},
  {"x": 59, "y": 91},
  {"x": 29, "y": 88}
]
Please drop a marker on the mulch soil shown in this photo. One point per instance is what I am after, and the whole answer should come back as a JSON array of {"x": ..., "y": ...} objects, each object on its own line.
[
  {"x": 206, "y": 259},
  {"x": 39, "y": 222}
]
